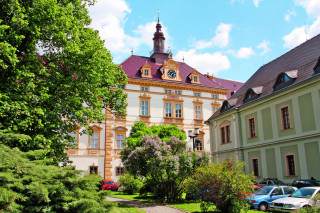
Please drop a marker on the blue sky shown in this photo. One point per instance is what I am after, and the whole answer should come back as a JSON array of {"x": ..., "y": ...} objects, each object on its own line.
[{"x": 229, "y": 39}]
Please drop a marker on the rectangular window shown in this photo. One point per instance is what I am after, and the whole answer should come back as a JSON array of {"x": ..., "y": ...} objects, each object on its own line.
[
  {"x": 168, "y": 91},
  {"x": 94, "y": 140},
  {"x": 146, "y": 72},
  {"x": 144, "y": 89},
  {"x": 168, "y": 109},
  {"x": 198, "y": 144},
  {"x": 285, "y": 118},
  {"x": 178, "y": 111},
  {"x": 228, "y": 133},
  {"x": 291, "y": 170},
  {"x": 119, "y": 171},
  {"x": 215, "y": 96},
  {"x": 195, "y": 78},
  {"x": 177, "y": 92},
  {"x": 225, "y": 134},
  {"x": 255, "y": 167},
  {"x": 121, "y": 86},
  {"x": 120, "y": 141},
  {"x": 73, "y": 143},
  {"x": 252, "y": 129},
  {"x": 144, "y": 107},
  {"x": 197, "y": 94},
  {"x": 198, "y": 112},
  {"x": 93, "y": 170}
]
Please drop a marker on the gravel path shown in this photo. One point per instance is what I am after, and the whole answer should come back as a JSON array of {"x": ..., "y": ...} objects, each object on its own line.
[{"x": 147, "y": 207}]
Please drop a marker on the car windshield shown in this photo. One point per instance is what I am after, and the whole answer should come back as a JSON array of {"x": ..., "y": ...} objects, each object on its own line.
[
  {"x": 316, "y": 182},
  {"x": 264, "y": 191},
  {"x": 303, "y": 193},
  {"x": 109, "y": 182},
  {"x": 278, "y": 182}
]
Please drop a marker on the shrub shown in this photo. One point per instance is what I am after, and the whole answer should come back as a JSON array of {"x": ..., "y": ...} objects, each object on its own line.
[
  {"x": 130, "y": 184},
  {"x": 28, "y": 184},
  {"x": 222, "y": 184},
  {"x": 164, "y": 165}
]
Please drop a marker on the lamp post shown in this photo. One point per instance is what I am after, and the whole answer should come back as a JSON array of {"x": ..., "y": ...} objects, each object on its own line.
[{"x": 193, "y": 136}]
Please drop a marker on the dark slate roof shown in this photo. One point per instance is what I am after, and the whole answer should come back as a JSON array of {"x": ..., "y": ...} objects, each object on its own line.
[
  {"x": 131, "y": 66},
  {"x": 233, "y": 86},
  {"x": 302, "y": 58}
]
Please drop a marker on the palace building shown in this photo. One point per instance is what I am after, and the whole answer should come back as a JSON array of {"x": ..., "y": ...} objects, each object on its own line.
[
  {"x": 272, "y": 122},
  {"x": 160, "y": 90}
]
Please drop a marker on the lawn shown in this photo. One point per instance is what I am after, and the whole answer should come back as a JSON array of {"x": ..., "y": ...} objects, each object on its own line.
[{"x": 193, "y": 207}]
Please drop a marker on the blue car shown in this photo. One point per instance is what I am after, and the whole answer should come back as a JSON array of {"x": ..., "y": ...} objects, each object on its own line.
[{"x": 262, "y": 199}]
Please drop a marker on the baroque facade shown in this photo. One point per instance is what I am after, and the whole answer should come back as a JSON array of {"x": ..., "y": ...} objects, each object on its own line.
[
  {"x": 159, "y": 91},
  {"x": 272, "y": 122}
]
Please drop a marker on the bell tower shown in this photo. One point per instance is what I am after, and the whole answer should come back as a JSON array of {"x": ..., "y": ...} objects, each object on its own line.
[{"x": 158, "y": 39}]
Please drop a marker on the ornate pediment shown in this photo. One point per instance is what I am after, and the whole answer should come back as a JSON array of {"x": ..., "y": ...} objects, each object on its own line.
[{"x": 170, "y": 70}]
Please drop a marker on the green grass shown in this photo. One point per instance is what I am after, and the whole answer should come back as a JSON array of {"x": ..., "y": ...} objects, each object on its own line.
[
  {"x": 193, "y": 207},
  {"x": 133, "y": 197}
]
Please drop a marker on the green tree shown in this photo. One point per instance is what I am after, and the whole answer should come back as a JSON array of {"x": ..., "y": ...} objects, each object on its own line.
[
  {"x": 222, "y": 184},
  {"x": 30, "y": 183},
  {"x": 55, "y": 72},
  {"x": 139, "y": 129}
]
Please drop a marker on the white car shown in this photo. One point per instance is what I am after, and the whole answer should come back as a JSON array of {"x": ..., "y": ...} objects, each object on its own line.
[{"x": 298, "y": 199}]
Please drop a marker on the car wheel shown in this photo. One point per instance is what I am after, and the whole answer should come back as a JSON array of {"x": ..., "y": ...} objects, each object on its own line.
[{"x": 263, "y": 207}]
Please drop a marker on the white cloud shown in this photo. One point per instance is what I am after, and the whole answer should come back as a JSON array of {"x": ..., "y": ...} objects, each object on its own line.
[
  {"x": 264, "y": 46},
  {"x": 109, "y": 17},
  {"x": 256, "y": 2},
  {"x": 290, "y": 13},
  {"x": 243, "y": 52},
  {"x": 302, "y": 33},
  {"x": 312, "y": 6},
  {"x": 221, "y": 39},
  {"x": 206, "y": 62}
]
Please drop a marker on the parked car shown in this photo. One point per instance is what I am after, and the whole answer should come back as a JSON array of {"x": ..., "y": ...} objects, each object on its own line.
[
  {"x": 109, "y": 185},
  {"x": 271, "y": 182},
  {"x": 305, "y": 183},
  {"x": 261, "y": 199},
  {"x": 299, "y": 199}
]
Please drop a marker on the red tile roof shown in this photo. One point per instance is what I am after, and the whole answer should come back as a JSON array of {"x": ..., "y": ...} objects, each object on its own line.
[
  {"x": 132, "y": 65},
  {"x": 302, "y": 58}
]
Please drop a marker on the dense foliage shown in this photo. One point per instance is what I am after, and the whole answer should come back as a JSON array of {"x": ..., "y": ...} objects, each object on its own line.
[
  {"x": 29, "y": 183},
  {"x": 56, "y": 74},
  {"x": 130, "y": 184},
  {"x": 164, "y": 165},
  {"x": 222, "y": 184}
]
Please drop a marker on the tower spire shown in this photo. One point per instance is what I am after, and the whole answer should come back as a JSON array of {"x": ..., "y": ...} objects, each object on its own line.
[{"x": 158, "y": 38}]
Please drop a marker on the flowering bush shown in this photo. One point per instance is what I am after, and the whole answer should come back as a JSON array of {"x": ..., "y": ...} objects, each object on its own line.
[
  {"x": 165, "y": 165},
  {"x": 222, "y": 184}
]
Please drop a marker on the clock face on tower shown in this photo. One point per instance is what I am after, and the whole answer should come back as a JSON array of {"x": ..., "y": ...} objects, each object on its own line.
[{"x": 172, "y": 74}]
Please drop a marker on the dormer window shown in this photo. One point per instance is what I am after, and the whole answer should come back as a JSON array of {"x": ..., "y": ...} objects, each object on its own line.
[
  {"x": 227, "y": 104},
  {"x": 194, "y": 77},
  {"x": 252, "y": 94},
  {"x": 285, "y": 79},
  {"x": 146, "y": 71}
]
